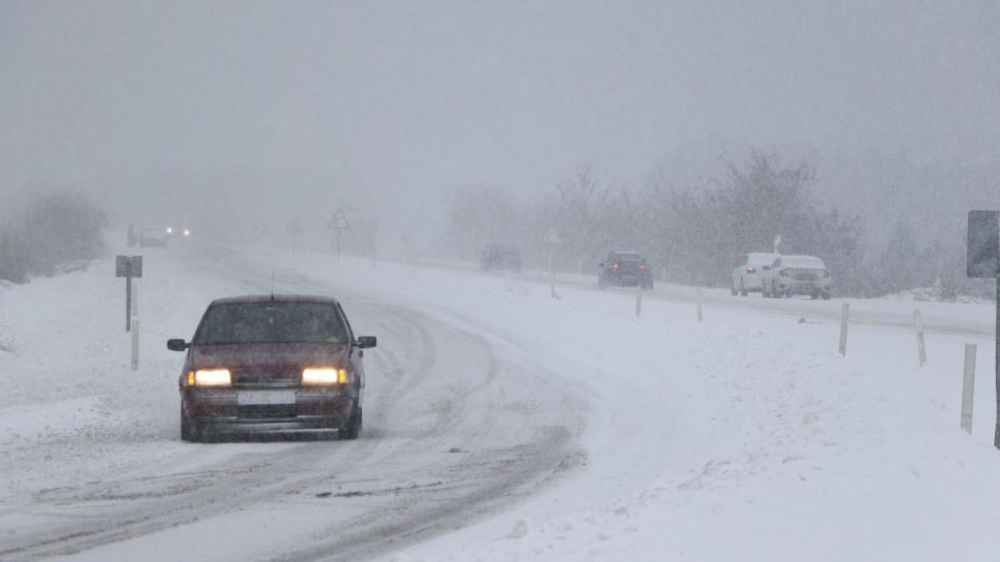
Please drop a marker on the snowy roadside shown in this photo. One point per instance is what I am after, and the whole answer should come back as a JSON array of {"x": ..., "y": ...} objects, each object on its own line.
[
  {"x": 744, "y": 437},
  {"x": 72, "y": 411}
]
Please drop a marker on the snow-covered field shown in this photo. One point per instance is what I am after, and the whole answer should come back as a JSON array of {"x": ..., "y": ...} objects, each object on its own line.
[{"x": 502, "y": 425}]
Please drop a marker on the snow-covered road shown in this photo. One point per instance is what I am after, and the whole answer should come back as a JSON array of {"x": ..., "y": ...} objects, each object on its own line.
[
  {"x": 500, "y": 424},
  {"x": 458, "y": 425}
]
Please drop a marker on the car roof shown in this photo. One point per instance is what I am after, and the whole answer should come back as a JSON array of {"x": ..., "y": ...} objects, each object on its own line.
[{"x": 249, "y": 299}]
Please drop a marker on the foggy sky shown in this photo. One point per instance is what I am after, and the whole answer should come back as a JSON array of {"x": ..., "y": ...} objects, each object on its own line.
[{"x": 375, "y": 103}]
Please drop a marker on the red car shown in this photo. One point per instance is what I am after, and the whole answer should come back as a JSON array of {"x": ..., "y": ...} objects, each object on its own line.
[{"x": 272, "y": 364}]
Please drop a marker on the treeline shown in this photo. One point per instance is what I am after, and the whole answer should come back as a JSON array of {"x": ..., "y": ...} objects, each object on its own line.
[
  {"x": 698, "y": 233},
  {"x": 50, "y": 232}
]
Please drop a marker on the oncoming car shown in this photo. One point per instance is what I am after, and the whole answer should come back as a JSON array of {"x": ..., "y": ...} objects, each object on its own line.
[{"x": 272, "y": 364}]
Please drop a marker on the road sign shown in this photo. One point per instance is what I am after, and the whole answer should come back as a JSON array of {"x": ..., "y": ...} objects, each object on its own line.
[
  {"x": 339, "y": 221},
  {"x": 128, "y": 267},
  {"x": 983, "y": 260},
  {"x": 983, "y": 254}
]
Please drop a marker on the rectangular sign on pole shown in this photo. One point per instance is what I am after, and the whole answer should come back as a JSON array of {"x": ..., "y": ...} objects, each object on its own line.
[
  {"x": 983, "y": 260},
  {"x": 983, "y": 257},
  {"x": 128, "y": 267}
]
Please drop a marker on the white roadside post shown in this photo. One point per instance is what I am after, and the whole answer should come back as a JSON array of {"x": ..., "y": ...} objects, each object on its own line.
[
  {"x": 638, "y": 300},
  {"x": 968, "y": 386},
  {"x": 135, "y": 326},
  {"x": 698, "y": 291},
  {"x": 845, "y": 317},
  {"x": 918, "y": 325}
]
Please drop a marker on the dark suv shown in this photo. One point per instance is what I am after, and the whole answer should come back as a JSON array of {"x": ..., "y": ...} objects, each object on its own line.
[
  {"x": 272, "y": 363},
  {"x": 625, "y": 269}
]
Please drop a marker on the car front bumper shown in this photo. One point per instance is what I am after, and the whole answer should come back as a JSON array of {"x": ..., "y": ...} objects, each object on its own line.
[{"x": 220, "y": 411}]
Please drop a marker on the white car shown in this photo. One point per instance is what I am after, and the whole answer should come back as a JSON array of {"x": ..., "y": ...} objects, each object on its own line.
[
  {"x": 797, "y": 275},
  {"x": 748, "y": 275}
]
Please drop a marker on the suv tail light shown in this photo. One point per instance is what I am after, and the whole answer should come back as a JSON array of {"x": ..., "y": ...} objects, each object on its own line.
[
  {"x": 613, "y": 266},
  {"x": 644, "y": 266},
  {"x": 751, "y": 270}
]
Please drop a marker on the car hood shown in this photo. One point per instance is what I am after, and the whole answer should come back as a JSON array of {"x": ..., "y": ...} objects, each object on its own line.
[{"x": 269, "y": 355}]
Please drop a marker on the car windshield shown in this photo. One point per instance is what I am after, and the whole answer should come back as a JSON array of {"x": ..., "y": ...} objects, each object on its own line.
[
  {"x": 627, "y": 257},
  {"x": 271, "y": 322}
]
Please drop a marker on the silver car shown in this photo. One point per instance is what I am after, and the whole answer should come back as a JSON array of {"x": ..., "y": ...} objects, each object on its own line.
[
  {"x": 749, "y": 273},
  {"x": 797, "y": 275}
]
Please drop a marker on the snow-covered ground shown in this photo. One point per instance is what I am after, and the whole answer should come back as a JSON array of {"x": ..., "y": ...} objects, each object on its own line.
[{"x": 503, "y": 425}]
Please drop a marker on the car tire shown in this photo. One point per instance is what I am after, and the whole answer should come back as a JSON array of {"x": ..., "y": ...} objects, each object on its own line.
[
  {"x": 814, "y": 296},
  {"x": 826, "y": 296},
  {"x": 191, "y": 431},
  {"x": 733, "y": 291},
  {"x": 743, "y": 290},
  {"x": 352, "y": 430}
]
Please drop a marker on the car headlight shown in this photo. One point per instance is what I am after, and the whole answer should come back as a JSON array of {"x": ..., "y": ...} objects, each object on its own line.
[
  {"x": 209, "y": 377},
  {"x": 324, "y": 376}
]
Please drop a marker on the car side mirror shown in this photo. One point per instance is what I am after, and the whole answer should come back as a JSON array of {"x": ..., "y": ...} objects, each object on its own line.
[
  {"x": 177, "y": 345},
  {"x": 366, "y": 342}
]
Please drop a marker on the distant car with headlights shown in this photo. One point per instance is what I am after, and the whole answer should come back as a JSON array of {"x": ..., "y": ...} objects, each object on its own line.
[
  {"x": 749, "y": 273},
  {"x": 797, "y": 275},
  {"x": 182, "y": 233},
  {"x": 624, "y": 269},
  {"x": 153, "y": 237},
  {"x": 272, "y": 364}
]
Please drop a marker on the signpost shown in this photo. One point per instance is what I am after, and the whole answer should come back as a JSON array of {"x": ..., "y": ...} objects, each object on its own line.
[
  {"x": 983, "y": 260},
  {"x": 340, "y": 224},
  {"x": 128, "y": 267}
]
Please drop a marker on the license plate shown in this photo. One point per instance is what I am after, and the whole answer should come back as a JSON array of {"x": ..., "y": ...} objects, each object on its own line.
[{"x": 265, "y": 397}]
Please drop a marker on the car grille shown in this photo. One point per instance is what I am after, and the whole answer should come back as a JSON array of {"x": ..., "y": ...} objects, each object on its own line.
[
  {"x": 275, "y": 378},
  {"x": 281, "y": 411}
]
